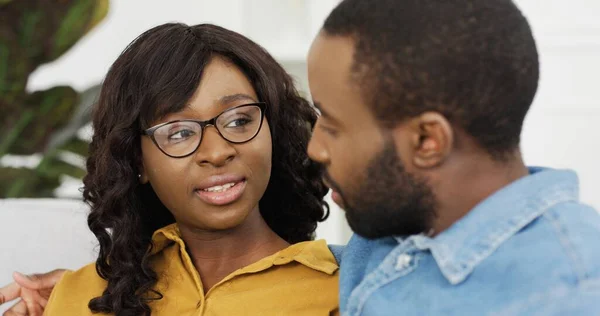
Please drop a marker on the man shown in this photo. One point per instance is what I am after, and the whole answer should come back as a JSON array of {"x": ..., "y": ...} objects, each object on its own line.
[{"x": 422, "y": 104}]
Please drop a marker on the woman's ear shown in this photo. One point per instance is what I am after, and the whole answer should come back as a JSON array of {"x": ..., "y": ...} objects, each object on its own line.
[{"x": 142, "y": 176}]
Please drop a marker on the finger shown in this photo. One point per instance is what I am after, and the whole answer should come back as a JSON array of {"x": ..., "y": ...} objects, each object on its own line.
[
  {"x": 41, "y": 300},
  {"x": 33, "y": 308},
  {"x": 19, "y": 309},
  {"x": 39, "y": 281},
  {"x": 38, "y": 298},
  {"x": 9, "y": 292}
]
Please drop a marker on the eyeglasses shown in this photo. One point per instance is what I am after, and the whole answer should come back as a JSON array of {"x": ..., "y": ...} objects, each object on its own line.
[{"x": 181, "y": 138}]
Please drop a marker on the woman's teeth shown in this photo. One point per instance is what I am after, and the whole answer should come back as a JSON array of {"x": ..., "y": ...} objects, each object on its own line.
[{"x": 220, "y": 188}]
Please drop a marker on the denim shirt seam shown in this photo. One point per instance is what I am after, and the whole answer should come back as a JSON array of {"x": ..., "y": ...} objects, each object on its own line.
[{"x": 576, "y": 263}]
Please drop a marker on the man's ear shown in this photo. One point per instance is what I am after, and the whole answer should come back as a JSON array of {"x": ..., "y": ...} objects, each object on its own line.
[{"x": 431, "y": 139}]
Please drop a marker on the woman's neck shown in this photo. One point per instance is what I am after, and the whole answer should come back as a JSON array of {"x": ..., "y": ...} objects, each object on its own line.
[{"x": 216, "y": 254}]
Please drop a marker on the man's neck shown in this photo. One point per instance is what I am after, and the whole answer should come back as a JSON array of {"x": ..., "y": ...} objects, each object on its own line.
[{"x": 471, "y": 182}]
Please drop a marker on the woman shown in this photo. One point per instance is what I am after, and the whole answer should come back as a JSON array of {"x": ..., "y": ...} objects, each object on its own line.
[{"x": 202, "y": 197}]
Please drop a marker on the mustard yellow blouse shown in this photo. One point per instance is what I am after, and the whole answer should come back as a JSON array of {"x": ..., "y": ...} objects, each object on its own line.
[{"x": 299, "y": 280}]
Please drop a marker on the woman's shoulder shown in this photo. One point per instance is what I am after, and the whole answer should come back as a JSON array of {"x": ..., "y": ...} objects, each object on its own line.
[
  {"x": 73, "y": 292},
  {"x": 324, "y": 251},
  {"x": 85, "y": 278}
]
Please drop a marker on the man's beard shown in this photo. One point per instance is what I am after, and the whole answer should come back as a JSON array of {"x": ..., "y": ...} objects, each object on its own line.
[{"x": 388, "y": 200}]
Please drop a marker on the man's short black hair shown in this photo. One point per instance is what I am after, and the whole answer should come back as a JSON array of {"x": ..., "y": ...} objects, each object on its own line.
[{"x": 474, "y": 61}]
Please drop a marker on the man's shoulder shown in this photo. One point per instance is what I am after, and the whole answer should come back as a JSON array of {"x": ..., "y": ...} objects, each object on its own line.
[
  {"x": 570, "y": 230},
  {"x": 560, "y": 246},
  {"x": 578, "y": 299}
]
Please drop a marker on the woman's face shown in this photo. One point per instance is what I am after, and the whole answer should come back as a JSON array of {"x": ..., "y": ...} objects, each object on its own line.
[{"x": 220, "y": 184}]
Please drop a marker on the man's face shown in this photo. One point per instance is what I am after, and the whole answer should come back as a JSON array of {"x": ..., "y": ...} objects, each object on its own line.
[{"x": 363, "y": 164}]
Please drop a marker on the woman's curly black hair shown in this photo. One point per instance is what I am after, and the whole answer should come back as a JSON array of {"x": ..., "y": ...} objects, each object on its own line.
[{"x": 156, "y": 75}]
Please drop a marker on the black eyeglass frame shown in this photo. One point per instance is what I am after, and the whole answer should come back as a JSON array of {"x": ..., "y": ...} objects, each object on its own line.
[{"x": 203, "y": 124}]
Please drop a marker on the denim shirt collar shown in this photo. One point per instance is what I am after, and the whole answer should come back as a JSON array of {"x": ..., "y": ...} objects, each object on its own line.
[{"x": 460, "y": 248}]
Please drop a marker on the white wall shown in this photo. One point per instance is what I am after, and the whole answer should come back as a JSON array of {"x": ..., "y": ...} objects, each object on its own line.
[
  {"x": 560, "y": 130},
  {"x": 284, "y": 27}
]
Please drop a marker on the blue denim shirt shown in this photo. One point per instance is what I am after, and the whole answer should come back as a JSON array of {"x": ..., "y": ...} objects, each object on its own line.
[{"x": 530, "y": 249}]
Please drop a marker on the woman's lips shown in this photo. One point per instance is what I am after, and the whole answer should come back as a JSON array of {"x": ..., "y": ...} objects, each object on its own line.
[{"x": 222, "y": 194}]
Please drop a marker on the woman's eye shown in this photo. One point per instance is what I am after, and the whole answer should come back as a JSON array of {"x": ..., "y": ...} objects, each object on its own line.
[
  {"x": 238, "y": 122},
  {"x": 182, "y": 134}
]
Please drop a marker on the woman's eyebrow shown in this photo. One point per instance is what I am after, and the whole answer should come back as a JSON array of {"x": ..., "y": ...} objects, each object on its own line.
[{"x": 235, "y": 97}]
